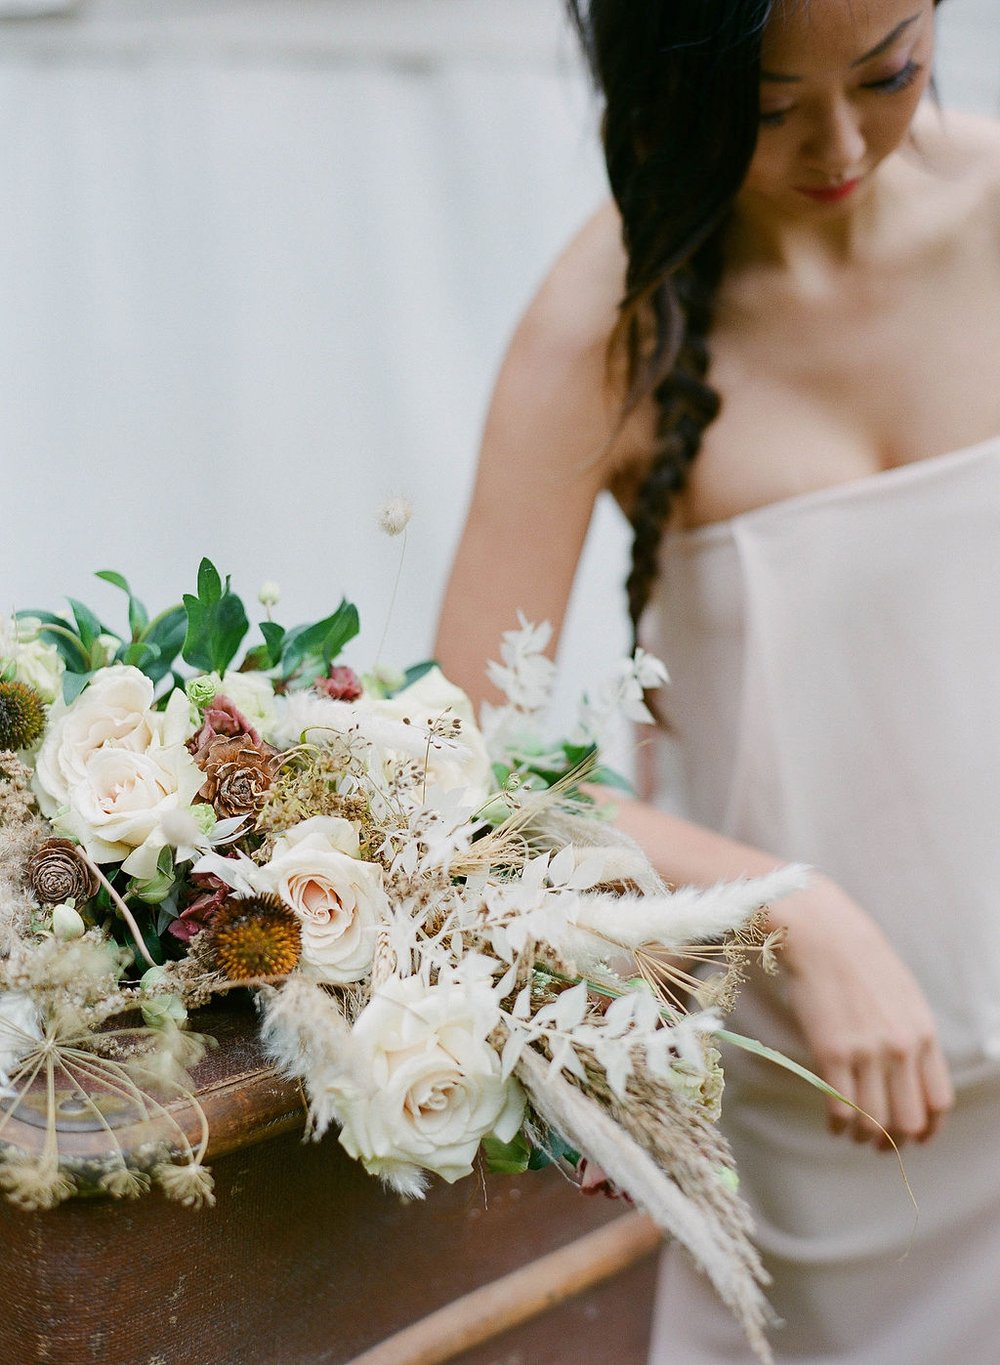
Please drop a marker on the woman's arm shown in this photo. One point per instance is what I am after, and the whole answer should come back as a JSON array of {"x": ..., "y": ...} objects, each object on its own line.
[{"x": 550, "y": 445}]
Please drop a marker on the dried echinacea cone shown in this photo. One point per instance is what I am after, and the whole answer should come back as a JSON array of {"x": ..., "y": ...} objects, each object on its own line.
[{"x": 254, "y": 936}]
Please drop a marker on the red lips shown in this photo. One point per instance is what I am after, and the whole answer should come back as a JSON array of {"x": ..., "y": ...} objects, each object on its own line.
[{"x": 830, "y": 194}]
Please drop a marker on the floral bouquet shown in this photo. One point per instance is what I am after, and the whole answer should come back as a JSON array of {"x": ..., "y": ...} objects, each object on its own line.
[{"x": 448, "y": 942}]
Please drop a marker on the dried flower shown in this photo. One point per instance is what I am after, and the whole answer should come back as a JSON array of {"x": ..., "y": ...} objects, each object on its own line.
[
  {"x": 340, "y": 684},
  {"x": 238, "y": 774},
  {"x": 22, "y": 715},
  {"x": 190, "y": 1184},
  {"x": 394, "y": 516},
  {"x": 221, "y": 718},
  {"x": 57, "y": 873},
  {"x": 255, "y": 936}
]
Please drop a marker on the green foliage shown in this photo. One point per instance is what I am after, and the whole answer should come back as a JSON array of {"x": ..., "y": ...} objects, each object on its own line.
[
  {"x": 507, "y": 1158},
  {"x": 313, "y": 648},
  {"x": 216, "y": 622}
]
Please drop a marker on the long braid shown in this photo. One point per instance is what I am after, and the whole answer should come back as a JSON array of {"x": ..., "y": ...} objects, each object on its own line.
[{"x": 686, "y": 404}]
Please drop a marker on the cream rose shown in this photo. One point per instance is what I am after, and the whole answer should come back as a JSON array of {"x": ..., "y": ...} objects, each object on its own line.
[
  {"x": 425, "y": 1086},
  {"x": 115, "y": 810},
  {"x": 459, "y": 765},
  {"x": 339, "y": 899},
  {"x": 115, "y": 709}
]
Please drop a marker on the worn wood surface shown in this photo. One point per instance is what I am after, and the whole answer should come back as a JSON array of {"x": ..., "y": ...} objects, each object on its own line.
[{"x": 303, "y": 1260}]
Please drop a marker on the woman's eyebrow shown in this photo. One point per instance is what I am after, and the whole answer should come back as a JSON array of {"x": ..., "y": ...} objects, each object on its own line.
[{"x": 876, "y": 51}]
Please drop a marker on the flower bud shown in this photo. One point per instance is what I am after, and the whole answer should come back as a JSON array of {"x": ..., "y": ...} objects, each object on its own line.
[
  {"x": 204, "y": 817},
  {"x": 155, "y": 890},
  {"x": 201, "y": 691},
  {"x": 103, "y": 650},
  {"x": 269, "y": 594},
  {"x": 67, "y": 922}
]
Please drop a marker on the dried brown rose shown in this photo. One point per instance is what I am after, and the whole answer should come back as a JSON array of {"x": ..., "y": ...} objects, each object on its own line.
[
  {"x": 57, "y": 873},
  {"x": 238, "y": 774}
]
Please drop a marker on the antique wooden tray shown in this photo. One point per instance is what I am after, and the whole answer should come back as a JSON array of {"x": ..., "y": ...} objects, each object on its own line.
[{"x": 305, "y": 1258}]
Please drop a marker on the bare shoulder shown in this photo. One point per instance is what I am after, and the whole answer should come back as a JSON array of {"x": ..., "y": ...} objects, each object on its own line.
[
  {"x": 555, "y": 371},
  {"x": 962, "y": 146}
]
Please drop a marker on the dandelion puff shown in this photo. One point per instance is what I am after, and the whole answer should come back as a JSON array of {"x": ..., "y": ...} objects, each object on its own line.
[
  {"x": 34, "y": 1183},
  {"x": 394, "y": 516},
  {"x": 124, "y": 1183},
  {"x": 190, "y": 1184}
]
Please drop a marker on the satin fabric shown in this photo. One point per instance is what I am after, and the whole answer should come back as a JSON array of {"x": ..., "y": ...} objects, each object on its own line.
[{"x": 835, "y": 699}]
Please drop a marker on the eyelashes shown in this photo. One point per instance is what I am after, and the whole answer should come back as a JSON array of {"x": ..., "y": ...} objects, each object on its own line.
[
  {"x": 892, "y": 85},
  {"x": 900, "y": 81}
]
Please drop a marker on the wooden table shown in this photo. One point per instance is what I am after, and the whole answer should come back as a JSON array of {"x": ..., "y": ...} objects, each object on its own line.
[{"x": 306, "y": 1259}]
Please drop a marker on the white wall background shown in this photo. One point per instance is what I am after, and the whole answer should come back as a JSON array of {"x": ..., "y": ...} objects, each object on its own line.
[{"x": 258, "y": 262}]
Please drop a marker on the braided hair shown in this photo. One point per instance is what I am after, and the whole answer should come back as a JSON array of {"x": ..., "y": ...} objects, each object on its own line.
[{"x": 680, "y": 82}]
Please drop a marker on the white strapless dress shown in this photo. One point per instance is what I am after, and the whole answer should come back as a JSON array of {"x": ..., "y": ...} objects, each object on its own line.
[{"x": 835, "y": 666}]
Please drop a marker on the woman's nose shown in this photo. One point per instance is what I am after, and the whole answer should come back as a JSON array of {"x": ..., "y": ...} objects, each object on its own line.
[{"x": 836, "y": 143}]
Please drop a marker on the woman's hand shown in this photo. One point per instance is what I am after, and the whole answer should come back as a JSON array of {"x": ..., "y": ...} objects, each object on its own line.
[{"x": 864, "y": 1017}]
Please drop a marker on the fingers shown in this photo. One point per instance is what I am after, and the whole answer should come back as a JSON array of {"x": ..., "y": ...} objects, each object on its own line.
[{"x": 903, "y": 1090}]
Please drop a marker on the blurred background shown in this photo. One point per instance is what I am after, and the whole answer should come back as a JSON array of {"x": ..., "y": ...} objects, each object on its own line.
[{"x": 259, "y": 260}]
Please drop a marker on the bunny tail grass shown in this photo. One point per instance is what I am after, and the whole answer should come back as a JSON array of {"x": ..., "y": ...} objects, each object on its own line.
[{"x": 588, "y": 1128}]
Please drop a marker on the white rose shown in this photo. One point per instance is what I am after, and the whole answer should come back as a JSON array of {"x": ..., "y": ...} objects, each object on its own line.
[
  {"x": 114, "y": 708},
  {"x": 116, "y": 808},
  {"x": 425, "y": 1087},
  {"x": 339, "y": 899},
  {"x": 462, "y": 765}
]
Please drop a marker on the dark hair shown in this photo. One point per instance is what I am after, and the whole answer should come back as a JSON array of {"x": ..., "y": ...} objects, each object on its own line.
[{"x": 680, "y": 80}]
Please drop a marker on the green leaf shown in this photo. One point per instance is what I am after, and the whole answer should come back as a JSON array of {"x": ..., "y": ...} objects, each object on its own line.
[
  {"x": 140, "y": 655},
  {"x": 416, "y": 671},
  {"x": 256, "y": 660},
  {"x": 344, "y": 624},
  {"x": 86, "y": 622},
  {"x": 69, "y": 645},
  {"x": 73, "y": 684},
  {"x": 138, "y": 616},
  {"x": 274, "y": 636},
  {"x": 607, "y": 777},
  {"x": 215, "y": 630},
  {"x": 209, "y": 582},
  {"x": 167, "y": 633},
  {"x": 320, "y": 642},
  {"x": 779, "y": 1059},
  {"x": 507, "y": 1158}
]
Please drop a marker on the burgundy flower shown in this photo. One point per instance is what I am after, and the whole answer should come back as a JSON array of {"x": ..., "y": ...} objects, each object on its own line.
[
  {"x": 198, "y": 913},
  {"x": 340, "y": 684},
  {"x": 221, "y": 718}
]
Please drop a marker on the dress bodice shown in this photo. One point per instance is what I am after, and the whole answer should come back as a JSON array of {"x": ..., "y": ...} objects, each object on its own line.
[{"x": 835, "y": 699}]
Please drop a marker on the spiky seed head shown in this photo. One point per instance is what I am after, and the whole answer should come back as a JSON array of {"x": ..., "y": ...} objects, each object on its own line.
[
  {"x": 254, "y": 936},
  {"x": 22, "y": 715}
]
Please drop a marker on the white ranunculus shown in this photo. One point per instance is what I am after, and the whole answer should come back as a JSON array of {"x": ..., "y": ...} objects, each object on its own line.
[
  {"x": 116, "y": 808},
  {"x": 339, "y": 899},
  {"x": 114, "y": 709},
  {"x": 424, "y": 1085},
  {"x": 462, "y": 765},
  {"x": 19, "y": 1031}
]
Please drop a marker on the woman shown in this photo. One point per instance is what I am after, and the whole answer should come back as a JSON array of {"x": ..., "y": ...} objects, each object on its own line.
[{"x": 787, "y": 377}]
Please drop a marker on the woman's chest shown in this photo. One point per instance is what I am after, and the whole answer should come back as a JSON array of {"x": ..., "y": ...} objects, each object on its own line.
[{"x": 823, "y": 391}]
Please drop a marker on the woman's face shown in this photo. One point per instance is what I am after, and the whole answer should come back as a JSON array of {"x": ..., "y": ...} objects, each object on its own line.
[{"x": 841, "y": 80}]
